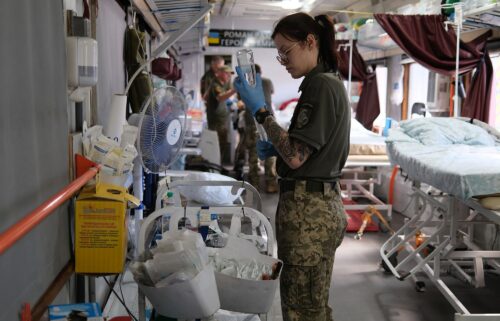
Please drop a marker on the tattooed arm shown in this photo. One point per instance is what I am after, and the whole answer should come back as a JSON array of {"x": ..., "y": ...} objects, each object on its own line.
[{"x": 293, "y": 151}]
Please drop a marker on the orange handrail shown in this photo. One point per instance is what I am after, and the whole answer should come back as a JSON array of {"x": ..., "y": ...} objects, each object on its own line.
[{"x": 30, "y": 221}]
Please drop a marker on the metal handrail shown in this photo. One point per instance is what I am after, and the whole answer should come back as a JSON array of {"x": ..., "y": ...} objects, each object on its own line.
[{"x": 30, "y": 221}]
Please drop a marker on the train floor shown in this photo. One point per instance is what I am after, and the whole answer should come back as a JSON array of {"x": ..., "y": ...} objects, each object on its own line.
[{"x": 361, "y": 290}]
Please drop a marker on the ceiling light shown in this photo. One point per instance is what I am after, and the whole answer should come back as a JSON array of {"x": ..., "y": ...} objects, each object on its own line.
[
  {"x": 291, "y": 4},
  {"x": 308, "y": 5}
]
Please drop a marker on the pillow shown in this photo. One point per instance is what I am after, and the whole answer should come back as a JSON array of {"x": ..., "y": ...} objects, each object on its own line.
[
  {"x": 492, "y": 202},
  {"x": 209, "y": 195},
  {"x": 446, "y": 131}
]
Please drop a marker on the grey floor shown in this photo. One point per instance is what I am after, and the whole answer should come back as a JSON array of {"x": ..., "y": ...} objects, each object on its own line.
[{"x": 361, "y": 290}]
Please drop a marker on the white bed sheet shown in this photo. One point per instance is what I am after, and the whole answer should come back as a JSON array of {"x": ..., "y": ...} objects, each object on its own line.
[
  {"x": 462, "y": 170},
  {"x": 365, "y": 142}
]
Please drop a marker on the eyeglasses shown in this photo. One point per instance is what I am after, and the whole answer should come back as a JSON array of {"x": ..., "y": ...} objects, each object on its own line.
[{"x": 282, "y": 57}]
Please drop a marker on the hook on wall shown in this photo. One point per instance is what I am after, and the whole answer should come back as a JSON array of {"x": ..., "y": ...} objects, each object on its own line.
[{"x": 131, "y": 18}]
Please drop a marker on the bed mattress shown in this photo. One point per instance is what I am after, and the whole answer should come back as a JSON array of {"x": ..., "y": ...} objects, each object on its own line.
[
  {"x": 450, "y": 154},
  {"x": 365, "y": 142}
]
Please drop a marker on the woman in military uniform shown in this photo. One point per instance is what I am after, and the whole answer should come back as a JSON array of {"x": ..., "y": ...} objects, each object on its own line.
[{"x": 310, "y": 220}]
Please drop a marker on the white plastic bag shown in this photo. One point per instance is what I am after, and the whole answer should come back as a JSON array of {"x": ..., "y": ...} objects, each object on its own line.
[{"x": 209, "y": 195}]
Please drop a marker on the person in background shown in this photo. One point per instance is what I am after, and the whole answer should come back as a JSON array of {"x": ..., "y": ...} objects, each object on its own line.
[
  {"x": 206, "y": 80},
  {"x": 247, "y": 143},
  {"x": 270, "y": 162},
  {"x": 310, "y": 219},
  {"x": 217, "y": 111}
]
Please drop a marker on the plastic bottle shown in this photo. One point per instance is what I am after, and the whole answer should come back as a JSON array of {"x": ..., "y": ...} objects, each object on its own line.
[
  {"x": 168, "y": 199},
  {"x": 247, "y": 65},
  {"x": 388, "y": 124}
]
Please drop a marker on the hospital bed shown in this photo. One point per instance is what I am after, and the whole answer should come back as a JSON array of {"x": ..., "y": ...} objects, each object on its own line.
[
  {"x": 453, "y": 163},
  {"x": 361, "y": 172}
]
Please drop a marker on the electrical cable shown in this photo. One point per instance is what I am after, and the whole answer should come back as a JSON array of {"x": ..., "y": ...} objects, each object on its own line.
[
  {"x": 121, "y": 290},
  {"x": 120, "y": 299}
]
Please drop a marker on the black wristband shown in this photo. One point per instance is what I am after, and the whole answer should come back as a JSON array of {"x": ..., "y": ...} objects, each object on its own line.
[{"x": 261, "y": 116}]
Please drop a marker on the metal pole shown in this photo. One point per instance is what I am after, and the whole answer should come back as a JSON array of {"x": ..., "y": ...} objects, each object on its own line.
[
  {"x": 351, "y": 43},
  {"x": 458, "y": 22}
]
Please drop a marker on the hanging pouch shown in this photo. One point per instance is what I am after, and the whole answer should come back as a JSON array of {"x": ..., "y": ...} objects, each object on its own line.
[{"x": 163, "y": 68}]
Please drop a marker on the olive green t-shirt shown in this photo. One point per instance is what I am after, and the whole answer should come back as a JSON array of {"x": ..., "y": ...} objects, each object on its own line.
[
  {"x": 322, "y": 120},
  {"x": 217, "y": 112}
]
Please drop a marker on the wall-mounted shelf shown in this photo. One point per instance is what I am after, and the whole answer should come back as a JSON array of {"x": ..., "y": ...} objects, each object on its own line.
[
  {"x": 372, "y": 35},
  {"x": 171, "y": 18},
  {"x": 174, "y": 15},
  {"x": 149, "y": 17},
  {"x": 484, "y": 17}
]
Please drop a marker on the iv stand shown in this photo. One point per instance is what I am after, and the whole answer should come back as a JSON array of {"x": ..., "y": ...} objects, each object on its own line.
[
  {"x": 351, "y": 43},
  {"x": 458, "y": 25},
  {"x": 344, "y": 47}
]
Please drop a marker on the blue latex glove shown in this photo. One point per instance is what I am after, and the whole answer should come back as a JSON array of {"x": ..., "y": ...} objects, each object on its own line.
[
  {"x": 265, "y": 149},
  {"x": 253, "y": 97}
]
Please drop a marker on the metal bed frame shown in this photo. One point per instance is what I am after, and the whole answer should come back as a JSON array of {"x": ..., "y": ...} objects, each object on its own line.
[
  {"x": 360, "y": 183},
  {"x": 450, "y": 231}
]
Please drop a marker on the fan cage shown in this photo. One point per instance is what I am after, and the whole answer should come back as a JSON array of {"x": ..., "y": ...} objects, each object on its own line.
[{"x": 162, "y": 129}]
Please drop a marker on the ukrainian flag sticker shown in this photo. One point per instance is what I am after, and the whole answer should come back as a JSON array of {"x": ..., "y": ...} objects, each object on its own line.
[{"x": 213, "y": 38}]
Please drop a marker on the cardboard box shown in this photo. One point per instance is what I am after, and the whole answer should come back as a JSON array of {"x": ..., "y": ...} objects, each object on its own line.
[{"x": 100, "y": 229}]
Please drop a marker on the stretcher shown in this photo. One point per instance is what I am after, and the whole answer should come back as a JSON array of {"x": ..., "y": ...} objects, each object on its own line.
[{"x": 439, "y": 239}]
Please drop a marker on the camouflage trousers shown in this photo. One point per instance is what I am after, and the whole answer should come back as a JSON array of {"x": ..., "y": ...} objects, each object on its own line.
[
  {"x": 248, "y": 141},
  {"x": 309, "y": 228},
  {"x": 221, "y": 128},
  {"x": 270, "y": 169}
]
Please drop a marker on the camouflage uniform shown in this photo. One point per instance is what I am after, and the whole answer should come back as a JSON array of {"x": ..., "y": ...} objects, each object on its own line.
[
  {"x": 270, "y": 173},
  {"x": 269, "y": 163},
  {"x": 309, "y": 228},
  {"x": 217, "y": 114},
  {"x": 248, "y": 142},
  {"x": 310, "y": 220}
]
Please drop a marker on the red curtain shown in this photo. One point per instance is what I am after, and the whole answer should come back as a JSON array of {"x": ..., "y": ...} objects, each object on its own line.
[
  {"x": 425, "y": 39},
  {"x": 368, "y": 106}
]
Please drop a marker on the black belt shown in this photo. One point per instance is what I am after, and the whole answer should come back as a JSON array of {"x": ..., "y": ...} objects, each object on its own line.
[{"x": 311, "y": 186}]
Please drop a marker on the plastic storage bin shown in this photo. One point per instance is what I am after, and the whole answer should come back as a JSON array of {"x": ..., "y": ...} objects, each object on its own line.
[
  {"x": 235, "y": 294},
  {"x": 193, "y": 299},
  {"x": 247, "y": 296}
]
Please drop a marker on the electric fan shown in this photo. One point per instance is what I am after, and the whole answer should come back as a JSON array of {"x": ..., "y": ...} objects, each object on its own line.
[{"x": 161, "y": 131}]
